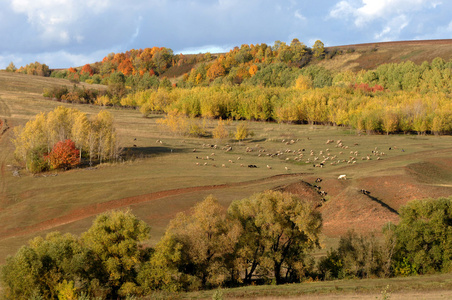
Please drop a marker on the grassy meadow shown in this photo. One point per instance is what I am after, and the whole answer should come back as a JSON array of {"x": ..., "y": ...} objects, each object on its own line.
[{"x": 159, "y": 179}]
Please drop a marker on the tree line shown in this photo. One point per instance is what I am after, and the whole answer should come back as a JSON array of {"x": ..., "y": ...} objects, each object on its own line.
[
  {"x": 266, "y": 238},
  {"x": 357, "y": 106}
]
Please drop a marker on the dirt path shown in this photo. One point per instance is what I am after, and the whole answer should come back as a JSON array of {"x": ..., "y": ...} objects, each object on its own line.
[{"x": 94, "y": 209}]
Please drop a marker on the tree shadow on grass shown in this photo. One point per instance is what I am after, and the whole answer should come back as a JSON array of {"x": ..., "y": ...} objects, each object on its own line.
[{"x": 150, "y": 151}]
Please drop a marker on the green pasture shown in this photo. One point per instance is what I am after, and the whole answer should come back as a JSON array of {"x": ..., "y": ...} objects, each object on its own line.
[
  {"x": 157, "y": 160},
  {"x": 415, "y": 287}
]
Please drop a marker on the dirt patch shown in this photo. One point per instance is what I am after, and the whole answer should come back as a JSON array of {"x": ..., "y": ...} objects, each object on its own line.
[{"x": 305, "y": 191}]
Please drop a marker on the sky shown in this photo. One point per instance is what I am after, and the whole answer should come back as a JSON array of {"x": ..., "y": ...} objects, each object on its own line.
[{"x": 65, "y": 33}]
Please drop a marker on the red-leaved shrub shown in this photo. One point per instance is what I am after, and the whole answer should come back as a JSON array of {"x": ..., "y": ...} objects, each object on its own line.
[{"x": 64, "y": 155}]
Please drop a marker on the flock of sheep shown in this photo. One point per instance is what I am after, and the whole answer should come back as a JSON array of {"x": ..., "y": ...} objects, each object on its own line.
[{"x": 336, "y": 153}]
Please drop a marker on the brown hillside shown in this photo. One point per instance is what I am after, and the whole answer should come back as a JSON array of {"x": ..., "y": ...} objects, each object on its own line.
[{"x": 370, "y": 55}]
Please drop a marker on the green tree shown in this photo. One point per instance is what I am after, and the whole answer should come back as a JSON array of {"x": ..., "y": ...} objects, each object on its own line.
[
  {"x": 114, "y": 239},
  {"x": 160, "y": 272},
  {"x": 11, "y": 67},
  {"x": 206, "y": 241},
  {"x": 318, "y": 49},
  {"x": 42, "y": 267},
  {"x": 278, "y": 229},
  {"x": 424, "y": 236},
  {"x": 242, "y": 132}
]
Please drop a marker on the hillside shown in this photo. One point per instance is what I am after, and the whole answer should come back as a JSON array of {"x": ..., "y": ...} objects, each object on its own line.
[
  {"x": 369, "y": 56},
  {"x": 357, "y": 177},
  {"x": 162, "y": 174},
  {"x": 365, "y": 56}
]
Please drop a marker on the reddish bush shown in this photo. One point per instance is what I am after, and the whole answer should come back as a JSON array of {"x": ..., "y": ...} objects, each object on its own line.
[
  {"x": 377, "y": 88},
  {"x": 366, "y": 88},
  {"x": 64, "y": 155}
]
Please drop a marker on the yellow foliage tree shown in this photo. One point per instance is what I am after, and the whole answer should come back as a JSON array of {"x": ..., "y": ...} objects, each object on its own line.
[
  {"x": 303, "y": 83},
  {"x": 220, "y": 132}
]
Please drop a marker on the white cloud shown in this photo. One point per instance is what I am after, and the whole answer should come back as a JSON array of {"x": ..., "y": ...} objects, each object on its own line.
[
  {"x": 299, "y": 16},
  {"x": 393, "y": 28},
  {"x": 392, "y": 16},
  {"x": 366, "y": 11},
  {"x": 341, "y": 10},
  {"x": 205, "y": 48},
  {"x": 51, "y": 18}
]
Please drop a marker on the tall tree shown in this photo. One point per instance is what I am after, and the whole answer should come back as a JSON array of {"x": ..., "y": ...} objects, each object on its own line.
[
  {"x": 114, "y": 238},
  {"x": 277, "y": 231},
  {"x": 206, "y": 241},
  {"x": 318, "y": 49}
]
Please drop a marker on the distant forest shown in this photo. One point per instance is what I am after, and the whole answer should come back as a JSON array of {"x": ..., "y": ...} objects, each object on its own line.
[{"x": 282, "y": 83}]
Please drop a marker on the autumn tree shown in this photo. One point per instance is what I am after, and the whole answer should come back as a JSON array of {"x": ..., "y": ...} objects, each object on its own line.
[
  {"x": 253, "y": 70},
  {"x": 11, "y": 67},
  {"x": 87, "y": 70},
  {"x": 95, "y": 136},
  {"x": 126, "y": 67},
  {"x": 242, "y": 132},
  {"x": 161, "y": 272},
  {"x": 278, "y": 229},
  {"x": 40, "y": 269},
  {"x": 206, "y": 240},
  {"x": 220, "y": 132},
  {"x": 303, "y": 83},
  {"x": 318, "y": 49},
  {"x": 215, "y": 70},
  {"x": 64, "y": 155}
]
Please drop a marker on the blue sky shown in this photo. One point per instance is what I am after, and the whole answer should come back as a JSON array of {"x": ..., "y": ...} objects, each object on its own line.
[{"x": 64, "y": 33}]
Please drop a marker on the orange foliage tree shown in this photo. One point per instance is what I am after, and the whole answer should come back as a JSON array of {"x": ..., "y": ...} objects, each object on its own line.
[
  {"x": 126, "y": 67},
  {"x": 253, "y": 70},
  {"x": 64, "y": 155},
  {"x": 216, "y": 70},
  {"x": 86, "y": 69}
]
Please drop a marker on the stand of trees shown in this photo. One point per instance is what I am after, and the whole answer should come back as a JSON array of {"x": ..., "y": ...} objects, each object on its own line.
[
  {"x": 50, "y": 140},
  {"x": 262, "y": 239},
  {"x": 207, "y": 248},
  {"x": 420, "y": 244}
]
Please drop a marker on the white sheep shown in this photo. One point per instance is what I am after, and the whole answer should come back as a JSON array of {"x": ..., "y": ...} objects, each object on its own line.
[{"x": 344, "y": 177}]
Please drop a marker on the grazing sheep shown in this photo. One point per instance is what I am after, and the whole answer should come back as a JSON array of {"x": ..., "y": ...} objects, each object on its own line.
[
  {"x": 268, "y": 167},
  {"x": 318, "y": 180},
  {"x": 223, "y": 165},
  {"x": 365, "y": 192},
  {"x": 342, "y": 177}
]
